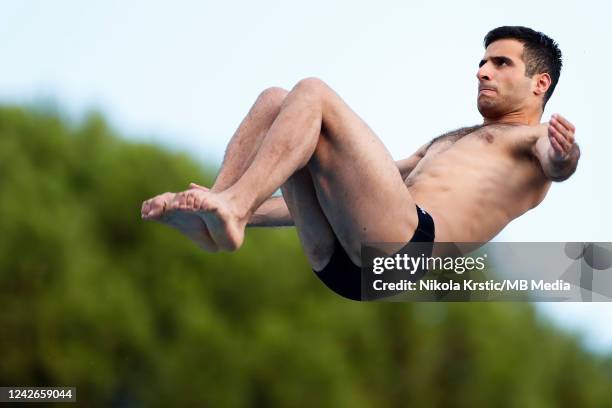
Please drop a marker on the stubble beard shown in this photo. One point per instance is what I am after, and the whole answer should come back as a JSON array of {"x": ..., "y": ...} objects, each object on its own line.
[{"x": 489, "y": 109}]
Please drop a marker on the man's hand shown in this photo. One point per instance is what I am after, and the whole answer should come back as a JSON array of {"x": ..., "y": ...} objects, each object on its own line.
[
  {"x": 556, "y": 148},
  {"x": 561, "y": 136}
]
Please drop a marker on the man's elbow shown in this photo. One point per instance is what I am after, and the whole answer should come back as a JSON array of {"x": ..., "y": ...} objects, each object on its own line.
[{"x": 558, "y": 177}]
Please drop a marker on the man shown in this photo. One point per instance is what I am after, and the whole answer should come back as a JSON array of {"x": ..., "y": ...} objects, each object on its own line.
[{"x": 341, "y": 188}]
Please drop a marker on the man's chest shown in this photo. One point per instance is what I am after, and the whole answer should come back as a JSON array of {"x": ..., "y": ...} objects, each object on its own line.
[
  {"x": 480, "y": 140},
  {"x": 480, "y": 161}
]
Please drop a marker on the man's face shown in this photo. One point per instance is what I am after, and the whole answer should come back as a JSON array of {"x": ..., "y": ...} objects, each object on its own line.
[{"x": 502, "y": 85}]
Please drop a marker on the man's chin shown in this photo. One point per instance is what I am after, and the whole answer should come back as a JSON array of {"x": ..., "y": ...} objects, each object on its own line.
[{"x": 488, "y": 110}]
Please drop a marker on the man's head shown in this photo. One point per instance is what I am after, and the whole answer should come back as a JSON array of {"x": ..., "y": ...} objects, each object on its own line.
[{"x": 518, "y": 72}]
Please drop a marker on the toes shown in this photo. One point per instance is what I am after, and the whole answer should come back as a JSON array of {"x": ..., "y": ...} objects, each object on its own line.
[
  {"x": 189, "y": 200},
  {"x": 192, "y": 199},
  {"x": 156, "y": 206},
  {"x": 178, "y": 202},
  {"x": 184, "y": 196},
  {"x": 166, "y": 202},
  {"x": 144, "y": 210},
  {"x": 194, "y": 185}
]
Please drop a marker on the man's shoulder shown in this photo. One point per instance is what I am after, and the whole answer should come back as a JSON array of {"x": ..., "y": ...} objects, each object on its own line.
[
  {"x": 517, "y": 130},
  {"x": 457, "y": 133},
  {"x": 517, "y": 136}
]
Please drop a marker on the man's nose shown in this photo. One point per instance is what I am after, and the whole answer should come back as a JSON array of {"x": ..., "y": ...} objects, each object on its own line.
[{"x": 483, "y": 73}]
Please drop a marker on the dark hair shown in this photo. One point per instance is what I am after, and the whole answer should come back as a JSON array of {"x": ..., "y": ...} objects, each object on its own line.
[{"x": 540, "y": 52}]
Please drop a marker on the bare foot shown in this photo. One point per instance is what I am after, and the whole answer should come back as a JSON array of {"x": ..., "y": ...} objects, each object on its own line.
[
  {"x": 187, "y": 222},
  {"x": 224, "y": 222}
]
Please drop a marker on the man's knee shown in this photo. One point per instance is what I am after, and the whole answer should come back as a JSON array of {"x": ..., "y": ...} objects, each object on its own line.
[
  {"x": 273, "y": 96},
  {"x": 312, "y": 86},
  {"x": 323, "y": 100}
]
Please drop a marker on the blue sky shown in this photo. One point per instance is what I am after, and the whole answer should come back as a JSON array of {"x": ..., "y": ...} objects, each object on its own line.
[{"x": 184, "y": 74}]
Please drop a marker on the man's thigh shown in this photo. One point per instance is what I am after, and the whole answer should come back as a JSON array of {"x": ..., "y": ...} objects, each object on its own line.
[
  {"x": 357, "y": 182},
  {"x": 315, "y": 233}
]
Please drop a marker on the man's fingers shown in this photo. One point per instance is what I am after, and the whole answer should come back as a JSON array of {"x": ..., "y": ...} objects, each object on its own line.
[
  {"x": 562, "y": 140},
  {"x": 556, "y": 146},
  {"x": 564, "y": 126},
  {"x": 566, "y": 123},
  {"x": 567, "y": 133}
]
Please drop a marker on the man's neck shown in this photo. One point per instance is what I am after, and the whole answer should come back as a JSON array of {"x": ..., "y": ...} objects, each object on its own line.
[{"x": 516, "y": 118}]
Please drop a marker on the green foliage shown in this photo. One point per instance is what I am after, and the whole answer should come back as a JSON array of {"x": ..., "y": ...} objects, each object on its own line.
[{"x": 133, "y": 314}]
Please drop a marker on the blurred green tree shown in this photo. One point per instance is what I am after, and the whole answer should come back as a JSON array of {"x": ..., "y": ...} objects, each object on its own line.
[{"x": 133, "y": 314}]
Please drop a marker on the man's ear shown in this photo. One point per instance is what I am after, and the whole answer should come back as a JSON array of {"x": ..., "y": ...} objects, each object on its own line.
[{"x": 542, "y": 83}]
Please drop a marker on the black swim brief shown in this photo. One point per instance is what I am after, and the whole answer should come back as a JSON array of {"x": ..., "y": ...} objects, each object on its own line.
[{"x": 345, "y": 278}]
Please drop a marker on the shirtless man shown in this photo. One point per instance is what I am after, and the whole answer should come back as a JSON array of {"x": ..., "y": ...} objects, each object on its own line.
[{"x": 341, "y": 188}]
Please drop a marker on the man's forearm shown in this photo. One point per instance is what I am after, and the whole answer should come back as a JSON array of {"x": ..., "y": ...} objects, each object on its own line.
[
  {"x": 561, "y": 170},
  {"x": 272, "y": 213}
]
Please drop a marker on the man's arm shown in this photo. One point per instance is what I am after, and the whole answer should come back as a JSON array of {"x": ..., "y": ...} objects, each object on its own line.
[
  {"x": 405, "y": 166},
  {"x": 272, "y": 213},
  {"x": 557, "y": 151}
]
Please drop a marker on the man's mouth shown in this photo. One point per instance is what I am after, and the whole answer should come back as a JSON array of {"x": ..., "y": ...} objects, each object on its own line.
[{"x": 485, "y": 89}]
